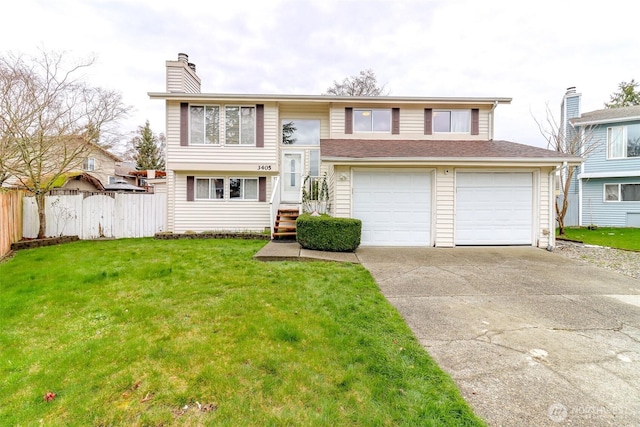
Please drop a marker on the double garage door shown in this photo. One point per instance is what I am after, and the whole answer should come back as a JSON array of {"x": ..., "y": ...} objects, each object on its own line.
[{"x": 491, "y": 208}]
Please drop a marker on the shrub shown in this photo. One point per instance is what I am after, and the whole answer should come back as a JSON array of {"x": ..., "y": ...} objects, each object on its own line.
[{"x": 325, "y": 233}]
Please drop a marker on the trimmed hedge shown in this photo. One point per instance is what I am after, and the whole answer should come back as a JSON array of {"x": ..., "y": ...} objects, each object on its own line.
[{"x": 326, "y": 233}]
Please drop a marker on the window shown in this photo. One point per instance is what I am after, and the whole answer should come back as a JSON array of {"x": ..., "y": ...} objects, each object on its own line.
[
  {"x": 205, "y": 124},
  {"x": 243, "y": 188},
  {"x": 209, "y": 188},
  {"x": 314, "y": 162},
  {"x": 622, "y": 192},
  {"x": 240, "y": 125},
  {"x": 301, "y": 132},
  {"x": 623, "y": 142},
  {"x": 89, "y": 164},
  {"x": 372, "y": 120},
  {"x": 452, "y": 121}
]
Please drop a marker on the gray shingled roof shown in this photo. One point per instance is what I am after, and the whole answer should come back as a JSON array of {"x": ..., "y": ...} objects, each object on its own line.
[
  {"x": 608, "y": 115},
  {"x": 437, "y": 149}
]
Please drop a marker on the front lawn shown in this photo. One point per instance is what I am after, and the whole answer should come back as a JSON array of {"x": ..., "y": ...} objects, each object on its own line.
[
  {"x": 196, "y": 332},
  {"x": 621, "y": 238}
]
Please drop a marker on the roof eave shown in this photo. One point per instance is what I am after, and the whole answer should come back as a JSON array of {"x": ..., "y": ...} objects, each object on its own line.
[
  {"x": 327, "y": 98},
  {"x": 571, "y": 161}
]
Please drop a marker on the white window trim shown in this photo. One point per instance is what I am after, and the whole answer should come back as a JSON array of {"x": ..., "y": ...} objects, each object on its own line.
[
  {"x": 204, "y": 123},
  {"x": 619, "y": 184},
  {"x": 242, "y": 199},
  {"x": 624, "y": 143},
  {"x": 451, "y": 110},
  {"x": 255, "y": 125},
  {"x": 209, "y": 178},
  {"x": 389, "y": 110},
  {"x": 90, "y": 164}
]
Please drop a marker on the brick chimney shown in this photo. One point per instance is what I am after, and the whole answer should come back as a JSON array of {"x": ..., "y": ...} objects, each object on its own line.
[{"x": 181, "y": 76}]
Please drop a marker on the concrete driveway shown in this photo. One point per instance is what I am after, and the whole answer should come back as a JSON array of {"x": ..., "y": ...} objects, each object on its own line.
[{"x": 530, "y": 337}]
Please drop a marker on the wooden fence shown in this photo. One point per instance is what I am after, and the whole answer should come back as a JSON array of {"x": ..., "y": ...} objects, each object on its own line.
[
  {"x": 94, "y": 216},
  {"x": 10, "y": 220}
]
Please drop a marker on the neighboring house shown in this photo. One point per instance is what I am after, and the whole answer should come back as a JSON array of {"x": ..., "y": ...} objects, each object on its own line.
[
  {"x": 418, "y": 171},
  {"x": 98, "y": 164},
  {"x": 607, "y": 185}
]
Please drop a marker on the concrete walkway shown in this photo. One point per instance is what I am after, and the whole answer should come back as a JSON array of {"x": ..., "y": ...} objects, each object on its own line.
[{"x": 291, "y": 251}]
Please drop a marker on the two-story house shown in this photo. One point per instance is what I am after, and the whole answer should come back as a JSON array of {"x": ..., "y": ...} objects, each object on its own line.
[
  {"x": 418, "y": 171},
  {"x": 607, "y": 185}
]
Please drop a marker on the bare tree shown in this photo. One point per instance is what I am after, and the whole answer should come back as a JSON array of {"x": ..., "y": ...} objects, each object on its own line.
[
  {"x": 50, "y": 120},
  {"x": 364, "y": 84},
  {"x": 572, "y": 141}
]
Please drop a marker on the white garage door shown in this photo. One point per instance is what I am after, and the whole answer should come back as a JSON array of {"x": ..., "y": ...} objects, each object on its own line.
[
  {"x": 494, "y": 208},
  {"x": 394, "y": 206}
]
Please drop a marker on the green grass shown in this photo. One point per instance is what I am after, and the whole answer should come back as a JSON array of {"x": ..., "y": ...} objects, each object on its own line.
[
  {"x": 621, "y": 238},
  {"x": 141, "y": 331}
]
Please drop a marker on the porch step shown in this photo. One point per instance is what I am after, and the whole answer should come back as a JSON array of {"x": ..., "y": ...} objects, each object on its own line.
[{"x": 285, "y": 226}]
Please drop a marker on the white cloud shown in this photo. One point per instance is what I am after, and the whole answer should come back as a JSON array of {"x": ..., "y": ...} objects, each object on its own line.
[{"x": 531, "y": 52}]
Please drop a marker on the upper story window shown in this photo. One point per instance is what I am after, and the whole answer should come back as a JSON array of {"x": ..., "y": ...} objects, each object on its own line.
[
  {"x": 451, "y": 121},
  {"x": 623, "y": 142},
  {"x": 371, "y": 120},
  {"x": 205, "y": 124},
  {"x": 89, "y": 164},
  {"x": 301, "y": 132},
  {"x": 209, "y": 188},
  {"x": 622, "y": 192},
  {"x": 240, "y": 125}
]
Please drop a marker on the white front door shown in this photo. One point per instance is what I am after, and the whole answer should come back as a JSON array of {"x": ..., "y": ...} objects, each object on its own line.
[{"x": 292, "y": 165}]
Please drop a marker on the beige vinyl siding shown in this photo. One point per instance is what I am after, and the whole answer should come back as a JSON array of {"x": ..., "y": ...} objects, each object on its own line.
[
  {"x": 180, "y": 78},
  {"x": 444, "y": 208},
  {"x": 411, "y": 124},
  {"x": 214, "y": 215},
  {"x": 342, "y": 192},
  {"x": 545, "y": 231},
  {"x": 198, "y": 156},
  {"x": 171, "y": 177}
]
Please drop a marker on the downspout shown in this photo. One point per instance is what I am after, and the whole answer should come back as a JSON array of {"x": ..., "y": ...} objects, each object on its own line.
[{"x": 495, "y": 104}]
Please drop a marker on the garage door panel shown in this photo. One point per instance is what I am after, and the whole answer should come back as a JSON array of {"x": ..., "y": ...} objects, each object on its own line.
[
  {"x": 394, "y": 206},
  {"x": 494, "y": 208}
]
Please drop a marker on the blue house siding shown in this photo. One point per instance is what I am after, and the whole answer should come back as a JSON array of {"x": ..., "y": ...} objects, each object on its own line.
[
  {"x": 597, "y": 159},
  {"x": 614, "y": 214}
]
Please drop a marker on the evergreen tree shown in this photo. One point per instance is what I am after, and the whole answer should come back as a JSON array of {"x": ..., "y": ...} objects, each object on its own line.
[
  {"x": 149, "y": 150},
  {"x": 628, "y": 95}
]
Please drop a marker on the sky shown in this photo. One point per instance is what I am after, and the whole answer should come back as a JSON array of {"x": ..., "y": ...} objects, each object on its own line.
[{"x": 528, "y": 51}]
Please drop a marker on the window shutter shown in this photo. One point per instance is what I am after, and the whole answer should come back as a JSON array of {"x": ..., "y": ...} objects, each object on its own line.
[
  {"x": 395, "y": 121},
  {"x": 190, "y": 184},
  {"x": 184, "y": 123},
  {"x": 428, "y": 121},
  {"x": 475, "y": 121},
  {"x": 348, "y": 120},
  {"x": 260, "y": 125},
  {"x": 262, "y": 189}
]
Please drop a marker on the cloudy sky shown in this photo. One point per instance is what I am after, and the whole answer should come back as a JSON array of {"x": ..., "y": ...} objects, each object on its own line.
[{"x": 529, "y": 51}]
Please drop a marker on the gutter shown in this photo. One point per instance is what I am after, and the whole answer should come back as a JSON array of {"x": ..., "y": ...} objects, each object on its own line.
[{"x": 492, "y": 126}]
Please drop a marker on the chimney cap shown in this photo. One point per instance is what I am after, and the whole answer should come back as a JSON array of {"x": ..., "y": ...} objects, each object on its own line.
[
  {"x": 183, "y": 57},
  {"x": 571, "y": 89}
]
